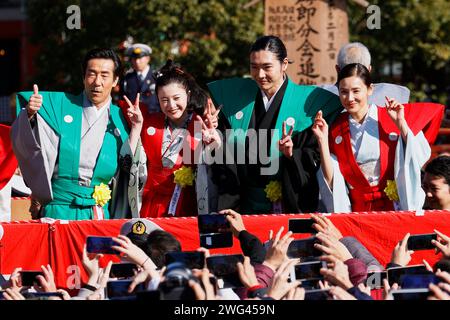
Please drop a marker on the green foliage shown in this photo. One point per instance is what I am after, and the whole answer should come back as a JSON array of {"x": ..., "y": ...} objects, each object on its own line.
[
  {"x": 414, "y": 33},
  {"x": 218, "y": 34}
]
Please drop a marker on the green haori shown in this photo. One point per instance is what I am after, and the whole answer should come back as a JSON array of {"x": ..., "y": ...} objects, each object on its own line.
[
  {"x": 299, "y": 107},
  {"x": 63, "y": 113}
]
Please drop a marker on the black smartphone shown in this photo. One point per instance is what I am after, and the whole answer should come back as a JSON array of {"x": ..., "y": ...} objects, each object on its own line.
[
  {"x": 394, "y": 274},
  {"x": 416, "y": 281},
  {"x": 213, "y": 223},
  {"x": 421, "y": 241},
  {"x": 29, "y": 277},
  {"x": 216, "y": 240},
  {"x": 303, "y": 248},
  {"x": 225, "y": 268},
  {"x": 301, "y": 226},
  {"x": 119, "y": 288},
  {"x": 192, "y": 259},
  {"x": 122, "y": 270},
  {"x": 374, "y": 279},
  {"x": 317, "y": 294},
  {"x": 411, "y": 294},
  {"x": 96, "y": 244},
  {"x": 308, "y": 271}
]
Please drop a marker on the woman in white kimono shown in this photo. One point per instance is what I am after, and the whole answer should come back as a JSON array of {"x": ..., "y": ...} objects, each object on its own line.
[{"x": 372, "y": 156}]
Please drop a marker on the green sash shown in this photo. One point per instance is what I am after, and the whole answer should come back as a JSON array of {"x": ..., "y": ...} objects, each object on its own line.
[{"x": 63, "y": 113}]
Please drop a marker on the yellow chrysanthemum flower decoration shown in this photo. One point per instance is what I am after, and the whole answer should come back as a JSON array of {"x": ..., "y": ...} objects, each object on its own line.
[
  {"x": 273, "y": 191},
  {"x": 184, "y": 176},
  {"x": 391, "y": 190},
  {"x": 102, "y": 194}
]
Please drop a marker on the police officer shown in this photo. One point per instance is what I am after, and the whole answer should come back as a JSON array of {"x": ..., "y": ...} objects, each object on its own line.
[{"x": 140, "y": 79}]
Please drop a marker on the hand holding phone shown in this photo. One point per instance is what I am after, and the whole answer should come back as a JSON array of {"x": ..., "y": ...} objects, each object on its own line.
[
  {"x": 301, "y": 225},
  {"x": 213, "y": 223},
  {"x": 29, "y": 277},
  {"x": 303, "y": 248},
  {"x": 421, "y": 241},
  {"x": 122, "y": 270},
  {"x": 192, "y": 259},
  {"x": 394, "y": 275},
  {"x": 103, "y": 245},
  {"x": 216, "y": 240},
  {"x": 225, "y": 267},
  {"x": 308, "y": 271}
]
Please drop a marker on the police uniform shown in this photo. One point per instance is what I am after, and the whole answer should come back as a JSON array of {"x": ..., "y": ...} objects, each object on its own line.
[{"x": 134, "y": 83}]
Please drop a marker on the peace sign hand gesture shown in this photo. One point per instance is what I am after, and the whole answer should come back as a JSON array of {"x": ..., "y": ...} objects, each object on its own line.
[
  {"x": 212, "y": 114},
  {"x": 134, "y": 113},
  {"x": 285, "y": 144},
  {"x": 210, "y": 135}
]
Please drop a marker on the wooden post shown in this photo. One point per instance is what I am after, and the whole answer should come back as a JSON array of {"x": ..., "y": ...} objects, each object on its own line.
[{"x": 313, "y": 31}]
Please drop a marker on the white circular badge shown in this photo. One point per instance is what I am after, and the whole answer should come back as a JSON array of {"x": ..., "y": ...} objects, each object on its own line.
[
  {"x": 393, "y": 136},
  {"x": 151, "y": 131},
  {"x": 68, "y": 118},
  {"x": 117, "y": 132},
  {"x": 239, "y": 115},
  {"x": 338, "y": 139},
  {"x": 290, "y": 121}
]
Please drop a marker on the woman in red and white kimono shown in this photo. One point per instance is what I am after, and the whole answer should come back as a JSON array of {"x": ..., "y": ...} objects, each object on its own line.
[
  {"x": 172, "y": 141},
  {"x": 372, "y": 156}
]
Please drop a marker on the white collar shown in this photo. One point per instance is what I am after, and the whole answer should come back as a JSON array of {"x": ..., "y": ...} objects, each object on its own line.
[
  {"x": 144, "y": 72},
  {"x": 98, "y": 111},
  {"x": 267, "y": 103}
]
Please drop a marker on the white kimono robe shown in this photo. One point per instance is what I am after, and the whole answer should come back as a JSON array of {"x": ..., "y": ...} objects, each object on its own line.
[{"x": 409, "y": 159}]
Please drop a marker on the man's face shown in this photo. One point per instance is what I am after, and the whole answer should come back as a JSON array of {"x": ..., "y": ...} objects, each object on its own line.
[
  {"x": 267, "y": 70},
  {"x": 99, "y": 80},
  {"x": 139, "y": 64},
  {"x": 437, "y": 192}
]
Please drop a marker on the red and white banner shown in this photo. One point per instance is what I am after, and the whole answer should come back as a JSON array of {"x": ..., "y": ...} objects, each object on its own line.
[{"x": 32, "y": 244}]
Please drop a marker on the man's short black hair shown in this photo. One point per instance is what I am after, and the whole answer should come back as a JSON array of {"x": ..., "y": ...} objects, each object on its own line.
[
  {"x": 160, "y": 242},
  {"x": 440, "y": 167},
  {"x": 103, "y": 53}
]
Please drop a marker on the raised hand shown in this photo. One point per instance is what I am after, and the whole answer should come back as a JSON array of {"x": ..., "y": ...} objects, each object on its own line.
[
  {"x": 320, "y": 128},
  {"x": 442, "y": 244},
  {"x": 210, "y": 135},
  {"x": 396, "y": 112},
  {"x": 35, "y": 102},
  {"x": 277, "y": 251},
  {"x": 285, "y": 144},
  {"x": 235, "y": 220},
  {"x": 401, "y": 255},
  {"x": 211, "y": 115},
  {"x": 134, "y": 112}
]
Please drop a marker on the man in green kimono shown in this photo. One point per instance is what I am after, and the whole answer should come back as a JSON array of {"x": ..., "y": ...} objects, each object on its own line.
[
  {"x": 68, "y": 146},
  {"x": 270, "y": 118}
]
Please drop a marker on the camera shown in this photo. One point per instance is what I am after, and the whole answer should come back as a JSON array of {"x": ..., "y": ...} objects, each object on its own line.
[{"x": 176, "y": 283}]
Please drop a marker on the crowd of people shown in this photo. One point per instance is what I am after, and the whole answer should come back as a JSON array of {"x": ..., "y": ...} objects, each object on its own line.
[
  {"x": 256, "y": 145},
  {"x": 265, "y": 271}
]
